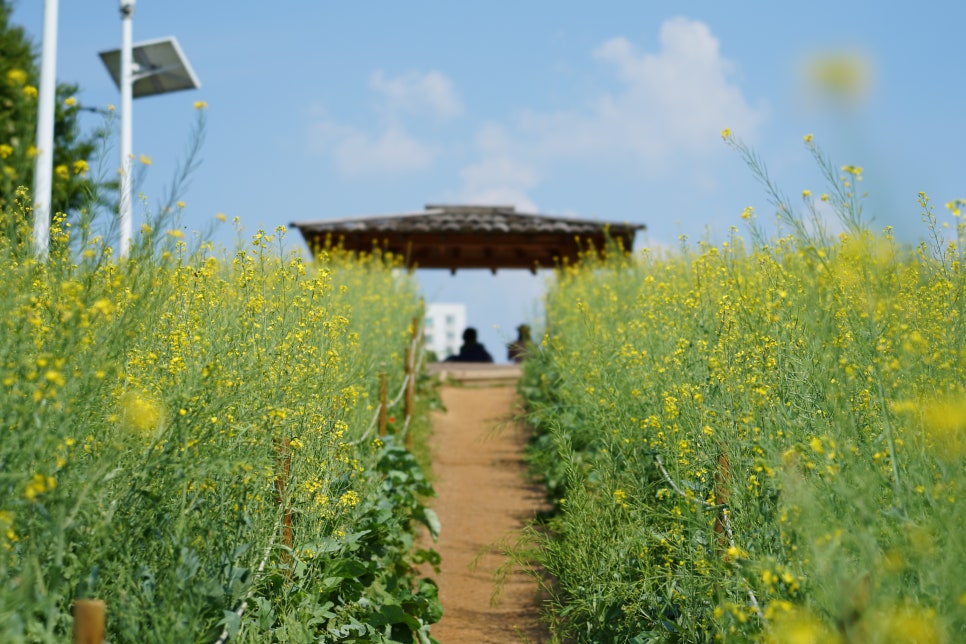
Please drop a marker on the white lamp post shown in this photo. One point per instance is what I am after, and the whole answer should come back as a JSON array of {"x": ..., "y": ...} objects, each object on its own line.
[
  {"x": 147, "y": 68},
  {"x": 126, "y": 85},
  {"x": 44, "y": 161}
]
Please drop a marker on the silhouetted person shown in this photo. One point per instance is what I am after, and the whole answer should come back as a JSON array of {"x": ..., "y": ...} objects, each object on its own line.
[
  {"x": 471, "y": 351},
  {"x": 517, "y": 350}
]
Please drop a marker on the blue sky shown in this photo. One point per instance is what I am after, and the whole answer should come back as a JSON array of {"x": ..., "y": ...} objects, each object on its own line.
[{"x": 612, "y": 110}]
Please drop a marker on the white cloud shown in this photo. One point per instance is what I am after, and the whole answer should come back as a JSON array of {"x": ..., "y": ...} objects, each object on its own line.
[
  {"x": 667, "y": 113},
  {"x": 670, "y": 104},
  {"x": 357, "y": 153},
  {"x": 663, "y": 116},
  {"x": 499, "y": 177},
  {"x": 386, "y": 147},
  {"x": 677, "y": 100},
  {"x": 418, "y": 93},
  {"x": 498, "y": 171}
]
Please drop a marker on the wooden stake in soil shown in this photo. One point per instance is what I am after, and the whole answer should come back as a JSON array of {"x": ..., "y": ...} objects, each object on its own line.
[
  {"x": 285, "y": 465},
  {"x": 89, "y": 620}
]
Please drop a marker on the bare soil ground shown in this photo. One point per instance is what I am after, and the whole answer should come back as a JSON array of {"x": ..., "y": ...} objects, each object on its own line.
[{"x": 484, "y": 498}]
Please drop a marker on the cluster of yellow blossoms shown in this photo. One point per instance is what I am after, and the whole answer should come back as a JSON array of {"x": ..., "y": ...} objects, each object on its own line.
[
  {"x": 185, "y": 399},
  {"x": 808, "y": 404}
]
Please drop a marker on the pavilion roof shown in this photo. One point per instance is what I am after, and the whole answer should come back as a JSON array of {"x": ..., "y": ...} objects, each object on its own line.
[{"x": 467, "y": 236}]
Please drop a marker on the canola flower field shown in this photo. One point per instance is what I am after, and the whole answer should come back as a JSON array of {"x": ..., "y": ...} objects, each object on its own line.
[
  {"x": 759, "y": 440},
  {"x": 162, "y": 414}
]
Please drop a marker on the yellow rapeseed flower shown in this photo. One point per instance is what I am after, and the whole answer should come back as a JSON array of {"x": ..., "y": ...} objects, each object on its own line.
[
  {"x": 30, "y": 91},
  {"x": 70, "y": 101},
  {"x": 944, "y": 423},
  {"x": 816, "y": 444},
  {"x": 839, "y": 76},
  {"x": 956, "y": 207},
  {"x": 908, "y": 624},
  {"x": 201, "y": 105},
  {"x": 6, "y": 527},
  {"x": 140, "y": 411},
  {"x": 799, "y": 626},
  {"x": 5, "y": 150},
  {"x": 16, "y": 77},
  {"x": 37, "y": 485},
  {"x": 620, "y": 498}
]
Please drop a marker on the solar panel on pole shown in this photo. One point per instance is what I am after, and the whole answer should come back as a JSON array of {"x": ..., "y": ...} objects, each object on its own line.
[{"x": 144, "y": 69}]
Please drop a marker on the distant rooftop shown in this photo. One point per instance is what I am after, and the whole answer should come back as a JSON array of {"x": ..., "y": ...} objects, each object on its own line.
[{"x": 467, "y": 236}]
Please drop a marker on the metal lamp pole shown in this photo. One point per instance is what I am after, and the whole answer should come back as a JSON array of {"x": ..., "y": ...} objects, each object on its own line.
[
  {"x": 44, "y": 161},
  {"x": 127, "y": 81}
]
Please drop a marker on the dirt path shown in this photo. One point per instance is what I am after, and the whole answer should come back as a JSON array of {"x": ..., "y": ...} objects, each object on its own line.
[{"x": 483, "y": 499}]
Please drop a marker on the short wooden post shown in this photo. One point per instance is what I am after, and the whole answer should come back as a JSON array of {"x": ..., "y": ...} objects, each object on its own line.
[
  {"x": 285, "y": 465},
  {"x": 383, "y": 411},
  {"x": 89, "y": 621}
]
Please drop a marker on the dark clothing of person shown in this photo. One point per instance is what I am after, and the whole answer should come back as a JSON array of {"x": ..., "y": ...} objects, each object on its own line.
[{"x": 471, "y": 352}]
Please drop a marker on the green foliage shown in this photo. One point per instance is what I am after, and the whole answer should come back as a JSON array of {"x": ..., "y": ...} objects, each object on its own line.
[
  {"x": 758, "y": 443},
  {"x": 19, "y": 78},
  {"x": 159, "y": 416},
  {"x": 357, "y": 586}
]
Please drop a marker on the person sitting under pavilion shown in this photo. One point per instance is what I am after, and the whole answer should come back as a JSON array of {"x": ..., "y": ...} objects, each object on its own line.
[{"x": 472, "y": 350}]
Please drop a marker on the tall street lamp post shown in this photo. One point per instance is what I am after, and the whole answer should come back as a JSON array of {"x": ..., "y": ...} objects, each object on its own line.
[{"x": 44, "y": 161}]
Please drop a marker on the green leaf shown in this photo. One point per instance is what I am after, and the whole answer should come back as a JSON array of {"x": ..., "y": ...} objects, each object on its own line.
[
  {"x": 348, "y": 568},
  {"x": 427, "y": 516},
  {"x": 232, "y": 623}
]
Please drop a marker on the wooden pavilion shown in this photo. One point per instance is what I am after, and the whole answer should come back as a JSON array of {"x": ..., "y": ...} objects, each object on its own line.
[{"x": 460, "y": 236}]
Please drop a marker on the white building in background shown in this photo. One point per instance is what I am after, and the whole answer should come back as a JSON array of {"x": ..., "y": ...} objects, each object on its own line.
[{"x": 444, "y": 327}]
